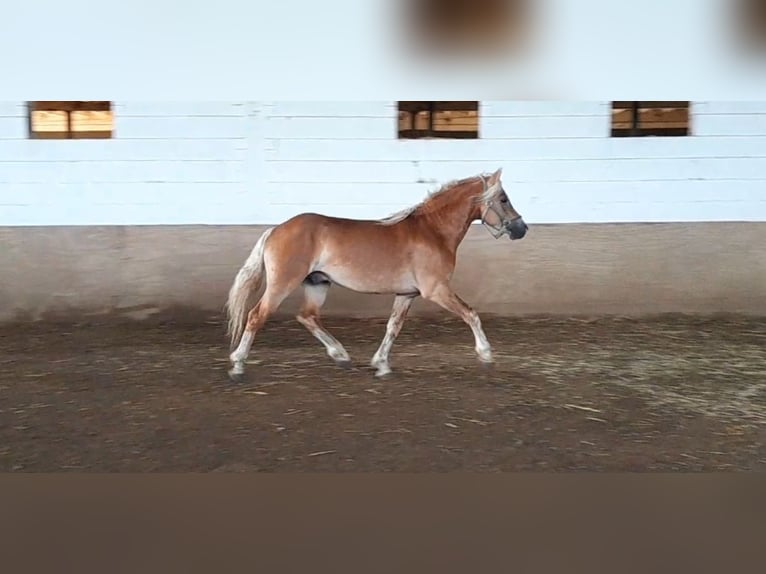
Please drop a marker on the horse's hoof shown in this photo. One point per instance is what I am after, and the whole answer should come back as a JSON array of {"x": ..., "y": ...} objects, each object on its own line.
[
  {"x": 382, "y": 373},
  {"x": 236, "y": 377},
  {"x": 487, "y": 365},
  {"x": 343, "y": 363}
]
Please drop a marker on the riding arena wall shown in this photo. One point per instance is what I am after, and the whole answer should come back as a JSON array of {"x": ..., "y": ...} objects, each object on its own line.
[{"x": 160, "y": 217}]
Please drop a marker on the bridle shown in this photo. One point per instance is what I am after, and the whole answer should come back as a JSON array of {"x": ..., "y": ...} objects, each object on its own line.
[{"x": 496, "y": 232}]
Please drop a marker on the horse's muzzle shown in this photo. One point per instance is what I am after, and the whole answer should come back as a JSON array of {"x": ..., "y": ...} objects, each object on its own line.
[{"x": 517, "y": 228}]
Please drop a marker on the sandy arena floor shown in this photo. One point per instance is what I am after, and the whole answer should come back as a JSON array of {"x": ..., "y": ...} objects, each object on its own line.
[{"x": 673, "y": 394}]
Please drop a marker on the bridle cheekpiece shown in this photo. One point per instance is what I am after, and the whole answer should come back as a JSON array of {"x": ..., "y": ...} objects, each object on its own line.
[{"x": 500, "y": 230}]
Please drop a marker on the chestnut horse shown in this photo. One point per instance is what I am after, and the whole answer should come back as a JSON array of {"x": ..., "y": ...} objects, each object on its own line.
[{"x": 409, "y": 254}]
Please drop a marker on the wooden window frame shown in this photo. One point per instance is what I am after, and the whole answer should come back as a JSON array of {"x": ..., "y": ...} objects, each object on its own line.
[
  {"x": 637, "y": 131},
  {"x": 413, "y": 108},
  {"x": 69, "y": 107}
]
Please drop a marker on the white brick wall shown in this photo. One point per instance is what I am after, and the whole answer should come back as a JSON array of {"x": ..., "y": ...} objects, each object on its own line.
[{"x": 261, "y": 162}]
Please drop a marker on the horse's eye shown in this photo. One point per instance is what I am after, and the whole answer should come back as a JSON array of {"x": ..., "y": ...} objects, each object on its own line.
[{"x": 504, "y": 200}]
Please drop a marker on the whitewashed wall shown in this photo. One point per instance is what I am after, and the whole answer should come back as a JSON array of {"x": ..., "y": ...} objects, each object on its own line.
[
  {"x": 261, "y": 162},
  {"x": 169, "y": 163},
  {"x": 559, "y": 162}
]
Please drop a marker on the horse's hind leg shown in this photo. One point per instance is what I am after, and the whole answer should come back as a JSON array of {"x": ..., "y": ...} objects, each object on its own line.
[
  {"x": 256, "y": 318},
  {"x": 402, "y": 305},
  {"x": 315, "y": 294}
]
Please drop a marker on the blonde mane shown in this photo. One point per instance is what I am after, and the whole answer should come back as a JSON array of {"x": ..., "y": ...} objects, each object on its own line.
[{"x": 406, "y": 212}]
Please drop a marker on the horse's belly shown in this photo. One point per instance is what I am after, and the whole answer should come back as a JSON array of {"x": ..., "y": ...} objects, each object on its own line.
[{"x": 369, "y": 278}]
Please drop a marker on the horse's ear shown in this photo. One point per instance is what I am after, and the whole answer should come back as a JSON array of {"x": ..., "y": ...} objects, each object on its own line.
[{"x": 496, "y": 176}]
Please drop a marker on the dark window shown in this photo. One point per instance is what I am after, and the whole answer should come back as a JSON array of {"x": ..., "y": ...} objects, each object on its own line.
[
  {"x": 450, "y": 120},
  {"x": 70, "y": 120},
  {"x": 637, "y": 119}
]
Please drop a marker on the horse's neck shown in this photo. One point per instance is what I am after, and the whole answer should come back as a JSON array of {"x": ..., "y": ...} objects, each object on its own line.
[{"x": 454, "y": 218}]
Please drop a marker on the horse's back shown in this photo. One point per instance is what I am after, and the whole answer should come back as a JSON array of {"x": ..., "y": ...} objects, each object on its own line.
[
  {"x": 309, "y": 219},
  {"x": 309, "y": 222},
  {"x": 312, "y": 232}
]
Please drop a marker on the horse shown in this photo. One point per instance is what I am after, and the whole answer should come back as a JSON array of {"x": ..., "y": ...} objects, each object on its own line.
[{"x": 408, "y": 254}]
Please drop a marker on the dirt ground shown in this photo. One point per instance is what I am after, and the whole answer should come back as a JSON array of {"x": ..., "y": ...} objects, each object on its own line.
[{"x": 670, "y": 394}]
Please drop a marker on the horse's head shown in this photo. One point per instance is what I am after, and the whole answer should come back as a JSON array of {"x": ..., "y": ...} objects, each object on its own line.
[{"x": 497, "y": 213}]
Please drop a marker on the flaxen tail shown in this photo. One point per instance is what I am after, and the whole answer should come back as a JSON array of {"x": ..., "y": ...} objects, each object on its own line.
[{"x": 247, "y": 282}]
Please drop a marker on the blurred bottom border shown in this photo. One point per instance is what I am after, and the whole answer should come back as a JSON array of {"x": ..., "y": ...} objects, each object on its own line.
[{"x": 382, "y": 523}]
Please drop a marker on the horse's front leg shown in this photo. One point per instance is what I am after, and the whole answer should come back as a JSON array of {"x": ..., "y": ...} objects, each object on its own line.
[
  {"x": 402, "y": 304},
  {"x": 444, "y": 296}
]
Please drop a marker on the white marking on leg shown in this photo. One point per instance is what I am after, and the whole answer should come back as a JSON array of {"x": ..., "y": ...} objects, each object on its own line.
[
  {"x": 395, "y": 321},
  {"x": 334, "y": 349},
  {"x": 444, "y": 296},
  {"x": 483, "y": 348},
  {"x": 239, "y": 355},
  {"x": 242, "y": 350},
  {"x": 315, "y": 296}
]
